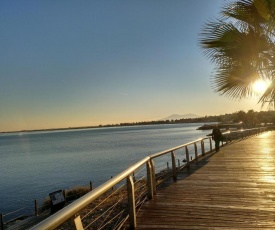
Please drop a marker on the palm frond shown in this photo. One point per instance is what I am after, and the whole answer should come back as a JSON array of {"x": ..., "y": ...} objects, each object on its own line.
[
  {"x": 269, "y": 95},
  {"x": 241, "y": 48},
  {"x": 247, "y": 13},
  {"x": 235, "y": 82}
]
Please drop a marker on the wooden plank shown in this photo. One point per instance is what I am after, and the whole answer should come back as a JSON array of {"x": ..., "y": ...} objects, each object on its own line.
[{"x": 232, "y": 189}]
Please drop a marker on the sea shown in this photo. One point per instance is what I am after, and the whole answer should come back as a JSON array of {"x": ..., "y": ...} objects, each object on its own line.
[{"x": 34, "y": 164}]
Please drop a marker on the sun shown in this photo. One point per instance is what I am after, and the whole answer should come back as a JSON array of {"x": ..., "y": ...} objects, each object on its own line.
[{"x": 259, "y": 86}]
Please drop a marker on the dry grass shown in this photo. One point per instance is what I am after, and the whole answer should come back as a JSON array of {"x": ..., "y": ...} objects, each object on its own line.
[{"x": 70, "y": 195}]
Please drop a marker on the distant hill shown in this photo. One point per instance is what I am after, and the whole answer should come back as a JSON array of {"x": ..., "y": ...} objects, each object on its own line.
[{"x": 178, "y": 116}]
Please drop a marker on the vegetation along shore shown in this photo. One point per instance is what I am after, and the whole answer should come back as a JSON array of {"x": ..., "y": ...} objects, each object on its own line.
[{"x": 249, "y": 119}]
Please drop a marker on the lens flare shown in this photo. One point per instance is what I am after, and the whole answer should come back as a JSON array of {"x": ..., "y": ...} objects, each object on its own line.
[{"x": 259, "y": 86}]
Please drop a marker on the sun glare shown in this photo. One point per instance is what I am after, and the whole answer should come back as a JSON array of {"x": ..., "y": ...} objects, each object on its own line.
[{"x": 259, "y": 86}]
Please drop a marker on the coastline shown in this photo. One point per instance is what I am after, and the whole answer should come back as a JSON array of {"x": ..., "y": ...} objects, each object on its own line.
[
  {"x": 229, "y": 119},
  {"x": 106, "y": 126}
]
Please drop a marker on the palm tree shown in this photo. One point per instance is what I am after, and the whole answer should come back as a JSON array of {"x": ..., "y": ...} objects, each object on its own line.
[{"x": 241, "y": 43}]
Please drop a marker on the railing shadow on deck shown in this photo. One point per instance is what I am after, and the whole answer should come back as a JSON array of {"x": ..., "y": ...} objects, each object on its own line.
[{"x": 114, "y": 204}]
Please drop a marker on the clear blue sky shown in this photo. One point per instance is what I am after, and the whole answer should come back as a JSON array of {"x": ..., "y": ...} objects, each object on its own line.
[{"x": 74, "y": 63}]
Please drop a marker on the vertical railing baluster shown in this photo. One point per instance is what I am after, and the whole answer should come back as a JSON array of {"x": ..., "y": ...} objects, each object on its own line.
[
  {"x": 187, "y": 157},
  {"x": 174, "y": 169},
  {"x": 210, "y": 143},
  {"x": 202, "y": 148},
  {"x": 131, "y": 202},
  {"x": 77, "y": 223},
  {"x": 35, "y": 208},
  {"x": 196, "y": 151},
  {"x": 149, "y": 180},
  {"x": 64, "y": 195},
  {"x": 154, "y": 185},
  {"x": 91, "y": 185}
]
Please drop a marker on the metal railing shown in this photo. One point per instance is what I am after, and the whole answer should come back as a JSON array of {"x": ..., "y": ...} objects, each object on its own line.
[{"x": 154, "y": 174}]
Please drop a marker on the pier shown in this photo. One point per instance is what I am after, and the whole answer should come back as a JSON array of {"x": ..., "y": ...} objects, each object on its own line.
[{"x": 231, "y": 189}]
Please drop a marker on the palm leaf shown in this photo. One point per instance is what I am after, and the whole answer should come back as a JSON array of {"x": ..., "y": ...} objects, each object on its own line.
[
  {"x": 242, "y": 49},
  {"x": 269, "y": 95},
  {"x": 235, "y": 82}
]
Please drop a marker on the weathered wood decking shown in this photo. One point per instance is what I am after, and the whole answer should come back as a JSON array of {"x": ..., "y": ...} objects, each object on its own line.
[{"x": 232, "y": 189}]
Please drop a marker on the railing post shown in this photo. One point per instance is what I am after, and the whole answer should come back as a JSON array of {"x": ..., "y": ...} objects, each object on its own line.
[
  {"x": 131, "y": 202},
  {"x": 196, "y": 151},
  {"x": 210, "y": 142},
  {"x": 174, "y": 167},
  {"x": 91, "y": 185},
  {"x": 77, "y": 223},
  {"x": 64, "y": 194},
  {"x": 35, "y": 208},
  {"x": 149, "y": 180},
  {"x": 202, "y": 148},
  {"x": 2, "y": 221},
  {"x": 112, "y": 187},
  {"x": 227, "y": 140},
  {"x": 153, "y": 177},
  {"x": 187, "y": 157}
]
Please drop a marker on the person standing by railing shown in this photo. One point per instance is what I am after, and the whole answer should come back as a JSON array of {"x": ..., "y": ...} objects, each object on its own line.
[{"x": 217, "y": 137}]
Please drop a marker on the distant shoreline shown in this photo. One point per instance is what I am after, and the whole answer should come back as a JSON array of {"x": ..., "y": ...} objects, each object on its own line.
[
  {"x": 53, "y": 129},
  {"x": 265, "y": 117},
  {"x": 100, "y": 126},
  {"x": 184, "y": 120}
]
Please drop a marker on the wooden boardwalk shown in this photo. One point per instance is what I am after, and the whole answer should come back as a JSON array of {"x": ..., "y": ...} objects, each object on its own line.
[{"x": 231, "y": 189}]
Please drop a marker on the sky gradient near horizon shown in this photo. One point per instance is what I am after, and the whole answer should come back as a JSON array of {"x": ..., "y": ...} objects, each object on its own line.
[{"x": 82, "y": 63}]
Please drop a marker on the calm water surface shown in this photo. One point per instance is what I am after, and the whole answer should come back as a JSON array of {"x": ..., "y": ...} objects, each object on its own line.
[{"x": 35, "y": 164}]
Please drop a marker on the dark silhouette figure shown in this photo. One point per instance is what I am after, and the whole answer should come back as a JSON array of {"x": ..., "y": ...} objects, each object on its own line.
[{"x": 217, "y": 137}]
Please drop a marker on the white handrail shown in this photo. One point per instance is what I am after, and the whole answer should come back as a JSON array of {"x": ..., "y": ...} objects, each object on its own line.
[{"x": 70, "y": 210}]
